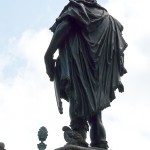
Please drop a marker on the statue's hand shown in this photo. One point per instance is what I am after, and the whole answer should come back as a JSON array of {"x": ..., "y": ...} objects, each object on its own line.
[
  {"x": 50, "y": 69},
  {"x": 121, "y": 87}
]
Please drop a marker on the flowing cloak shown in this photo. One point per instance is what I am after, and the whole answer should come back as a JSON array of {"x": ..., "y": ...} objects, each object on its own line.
[{"x": 91, "y": 58}]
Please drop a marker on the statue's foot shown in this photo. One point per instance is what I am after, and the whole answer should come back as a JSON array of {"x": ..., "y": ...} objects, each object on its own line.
[
  {"x": 101, "y": 144},
  {"x": 82, "y": 144}
]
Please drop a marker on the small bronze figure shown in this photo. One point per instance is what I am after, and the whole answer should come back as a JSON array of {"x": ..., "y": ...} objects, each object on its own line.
[{"x": 89, "y": 66}]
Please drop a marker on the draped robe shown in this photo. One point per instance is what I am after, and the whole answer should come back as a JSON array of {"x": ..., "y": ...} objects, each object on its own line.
[{"x": 91, "y": 58}]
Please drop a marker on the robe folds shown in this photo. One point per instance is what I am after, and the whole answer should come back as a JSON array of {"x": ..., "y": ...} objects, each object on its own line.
[{"x": 91, "y": 58}]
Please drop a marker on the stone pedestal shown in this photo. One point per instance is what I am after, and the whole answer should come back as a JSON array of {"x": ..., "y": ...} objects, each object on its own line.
[{"x": 73, "y": 147}]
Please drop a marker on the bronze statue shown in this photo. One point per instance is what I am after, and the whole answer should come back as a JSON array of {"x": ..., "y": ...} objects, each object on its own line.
[{"x": 89, "y": 66}]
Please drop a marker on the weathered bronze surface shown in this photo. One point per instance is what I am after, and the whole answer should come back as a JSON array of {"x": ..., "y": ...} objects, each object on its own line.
[
  {"x": 72, "y": 147},
  {"x": 89, "y": 67},
  {"x": 42, "y": 135}
]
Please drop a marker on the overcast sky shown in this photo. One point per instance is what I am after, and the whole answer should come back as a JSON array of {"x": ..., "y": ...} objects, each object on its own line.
[{"x": 27, "y": 99}]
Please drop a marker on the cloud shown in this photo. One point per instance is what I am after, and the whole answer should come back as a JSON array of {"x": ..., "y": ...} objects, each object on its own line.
[{"x": 27, "y": 96}]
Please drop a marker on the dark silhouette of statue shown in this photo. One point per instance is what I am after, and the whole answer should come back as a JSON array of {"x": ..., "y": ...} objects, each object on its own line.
[
  {"x": 89, "y": 66},
  {"x": 2, "y": 146}
]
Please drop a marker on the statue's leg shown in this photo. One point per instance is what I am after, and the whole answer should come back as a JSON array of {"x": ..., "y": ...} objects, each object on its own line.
[
  {"x": 97, "y": 132},
  {"x": 78, "y": 122}
]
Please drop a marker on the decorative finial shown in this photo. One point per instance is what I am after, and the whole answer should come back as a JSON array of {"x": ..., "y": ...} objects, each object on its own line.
[
  {"x": 2, "y": 146},
  {"x": 42, "y": 135}
]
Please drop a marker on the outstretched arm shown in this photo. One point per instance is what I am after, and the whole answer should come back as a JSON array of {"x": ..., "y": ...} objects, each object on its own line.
[{"x": 60, "y": 34}]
